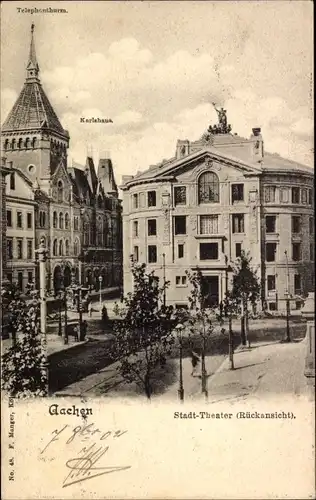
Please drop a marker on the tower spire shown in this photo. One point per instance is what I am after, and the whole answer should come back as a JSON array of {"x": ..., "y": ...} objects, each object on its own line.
[{"x": 32, "y": 68}]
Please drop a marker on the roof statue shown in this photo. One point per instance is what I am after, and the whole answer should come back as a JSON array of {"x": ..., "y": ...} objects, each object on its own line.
[{"x": 222, "y": 127}]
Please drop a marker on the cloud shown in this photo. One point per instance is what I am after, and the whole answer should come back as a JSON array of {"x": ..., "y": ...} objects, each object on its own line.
[{"x": 128, "y": 117}]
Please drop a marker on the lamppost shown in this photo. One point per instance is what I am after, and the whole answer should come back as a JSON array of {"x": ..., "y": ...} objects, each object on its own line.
[
  {"x": 60, "y": 302},
  {"x": 287, "y": 298},
  {"x": 100, "y": 290},
  {"x": 42, "y": 253},
  {"x": 203, "y": 367},
  {"x": 164, "y": 278},
  {"x": 66, "y": 319},
  {"x": 179, "y": 329}
]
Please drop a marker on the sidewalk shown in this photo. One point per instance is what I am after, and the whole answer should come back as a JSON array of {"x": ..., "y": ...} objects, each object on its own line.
[{"x": 265, "y": 369}]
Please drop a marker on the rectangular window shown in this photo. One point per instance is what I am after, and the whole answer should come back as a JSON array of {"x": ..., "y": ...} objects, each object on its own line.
[
  {"x": 296, "y": 252},
  {"x": 269, "y": 194},
  {"x": 29, "y": 249},
  {"x": 152, "y": 254},
  {"x": 19, "y": 248},
  {"x": 208, "y": 251},
  {"x": 180, "y": 195},
  {"x": 208, "y": 224},
  {"x": 29, "y": 221},
  {"x": 12, "y": 181},
  {"x": 237, "y": 192},
  {"x": 180, "y": 224},
  {"x": 135, "y": 200},
  {"x": 238, "y": 223},
  {"x": 19, "y": 219},
  {"x": 298, "y": 305},
  {"x": 311, "y": 225},
  {"x": 152, "y": 227},
  {"x": 76, "y": 223},
  {"x": 9, "y": 218},
  {"x": 9, "y": 248},
  {"x": 271, "y": 282},
  {"x": 310, "y": 197},
  {"x": 9, "y": 277},
  {"x": 311, "y": 252},
  {"x": 180, "y": 251},
  {"x": 135, "y": 254},
  {"x": 30, "y": 277},
  {"x": 304, "y": 196},
  {"x": 297, "y": 284},
  {"x": 238, "y": 250},
  {"x": 271, "y": 252},
  {"x": 181, "y": 280},
  {"x": 20, "y": 280},
  {"x": 296, "y": 224},
  {"x": 284, "y": 195},
  {"x": 151, "y": 198},
  {"x": 295, "y": 194},
  {"x": 135, "y": 228},
  {"x": 270, "y": 224},
  {"x": 272, "y": 306}
]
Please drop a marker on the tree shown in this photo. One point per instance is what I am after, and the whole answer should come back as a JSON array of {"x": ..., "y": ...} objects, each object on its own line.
[
  {"x": 143, "y": 334},
  {"x": 200, "y": 319},
  {"x": 246, "y": 288},
  {"x": 24, "y": 371}
]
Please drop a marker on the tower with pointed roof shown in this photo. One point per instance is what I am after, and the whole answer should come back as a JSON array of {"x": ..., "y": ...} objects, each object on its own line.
[{"x": 32, "y": 135}]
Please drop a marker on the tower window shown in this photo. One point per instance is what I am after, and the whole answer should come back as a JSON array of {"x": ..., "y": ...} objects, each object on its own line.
[
  {"x": 60, "y": 192},
  {"x": 295, "y": 194},
  {"x": 12, "y": 181},
  {"x": 151, "y": 198},
  {"x": 296, "y": 224}
]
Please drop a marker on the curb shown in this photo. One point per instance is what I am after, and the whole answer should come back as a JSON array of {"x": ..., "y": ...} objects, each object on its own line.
[{"x": 69, "y": 346}]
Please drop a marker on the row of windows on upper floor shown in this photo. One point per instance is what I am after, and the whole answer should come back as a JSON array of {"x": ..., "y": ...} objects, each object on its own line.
[
  {"x": 210, "y": 251},
  {"x": 29, "y": 143},
  {"x": 209, "y": 224},
  {"x": 209, "y": 192},
  {"x": 22, "y": 220},
  {"x": 102, "y": 203}
]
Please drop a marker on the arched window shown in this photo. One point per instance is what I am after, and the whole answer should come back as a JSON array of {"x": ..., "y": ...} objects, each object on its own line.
[
  {"x": 60, "y": 191},
  {"x": 34, "y": 142},
  {"x": 61, "y": 220},
  {"x": 86, "y": 232},
  {"x": 13, "y": 144},
  {"x": 55, "y": 248},
  {"x": 67, "y": 247},
  {"x": 20, "y": 141},
  {"x": 100, "y": 232},
  {"x": 76, "y": 247},
  {"x": 27, "y": 142},
  {"x": 6, "y": 144},
  {"x": 208, "y": 188},
  {"x": 61, "y": 247},
  {"x": 55, "y": 219},
  {"x": 66, "y": 220}
]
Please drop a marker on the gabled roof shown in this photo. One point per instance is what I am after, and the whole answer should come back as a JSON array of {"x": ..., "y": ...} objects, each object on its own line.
[{"x": 106, "y": 175}]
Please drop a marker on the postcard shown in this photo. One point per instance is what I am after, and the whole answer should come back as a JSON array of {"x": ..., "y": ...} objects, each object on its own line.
[{"x": 158, "y": 256}]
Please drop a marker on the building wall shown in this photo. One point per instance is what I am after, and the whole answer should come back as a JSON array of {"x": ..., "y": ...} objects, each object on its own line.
[{"x": 252, "y": 238}]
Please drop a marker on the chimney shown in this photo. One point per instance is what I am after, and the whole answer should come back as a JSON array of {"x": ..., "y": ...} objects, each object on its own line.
[{"x": 256, "y": 143}]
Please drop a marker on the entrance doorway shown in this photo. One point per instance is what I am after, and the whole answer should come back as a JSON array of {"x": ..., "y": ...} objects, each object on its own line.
[{"x": 210, "y": 290}]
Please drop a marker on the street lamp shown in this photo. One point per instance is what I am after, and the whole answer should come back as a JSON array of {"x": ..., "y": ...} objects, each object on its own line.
[
  {"x": 164, "y": 278},
  {"x": 287, "y": 298},
  {"x": 100, "y": 285},
  {"x": 60, "y": 301},
  {"x": 179, "y": 329}
]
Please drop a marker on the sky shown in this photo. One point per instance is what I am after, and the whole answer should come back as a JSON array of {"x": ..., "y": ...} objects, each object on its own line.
[{"x": 154, "y": 69}]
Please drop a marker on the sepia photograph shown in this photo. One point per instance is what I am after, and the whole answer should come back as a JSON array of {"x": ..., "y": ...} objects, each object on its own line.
[{"x": 157, "y": 229}]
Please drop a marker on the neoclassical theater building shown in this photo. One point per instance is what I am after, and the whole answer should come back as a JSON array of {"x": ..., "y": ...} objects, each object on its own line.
[
  {"x": 219, "y": 196},
  {"x": 76, "y": 209}
]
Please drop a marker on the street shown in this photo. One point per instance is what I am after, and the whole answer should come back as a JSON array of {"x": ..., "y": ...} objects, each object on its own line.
[{"x": 88, "y": 368}]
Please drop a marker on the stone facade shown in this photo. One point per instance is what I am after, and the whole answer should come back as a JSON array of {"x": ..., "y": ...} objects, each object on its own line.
[{"x": 216, "y": 197}]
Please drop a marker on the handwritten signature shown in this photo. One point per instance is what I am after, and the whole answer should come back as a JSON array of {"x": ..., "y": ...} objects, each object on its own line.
[{"x": 82, "y": 467}]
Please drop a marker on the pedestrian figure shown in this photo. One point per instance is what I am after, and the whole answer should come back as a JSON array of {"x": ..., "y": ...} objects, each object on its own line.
[
  {"x": 105, "y": 316},
  {"x": 195, "y": 359},
  {"x": 90, "y": 309}
]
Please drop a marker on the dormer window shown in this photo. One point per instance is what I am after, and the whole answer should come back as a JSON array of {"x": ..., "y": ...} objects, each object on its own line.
[{"x": 208, "y": 188}]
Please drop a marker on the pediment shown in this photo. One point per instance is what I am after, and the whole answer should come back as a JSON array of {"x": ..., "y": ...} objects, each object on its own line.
[
  {"x": 61, "y": 174},
  {"x": 207, "y": 159}
]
